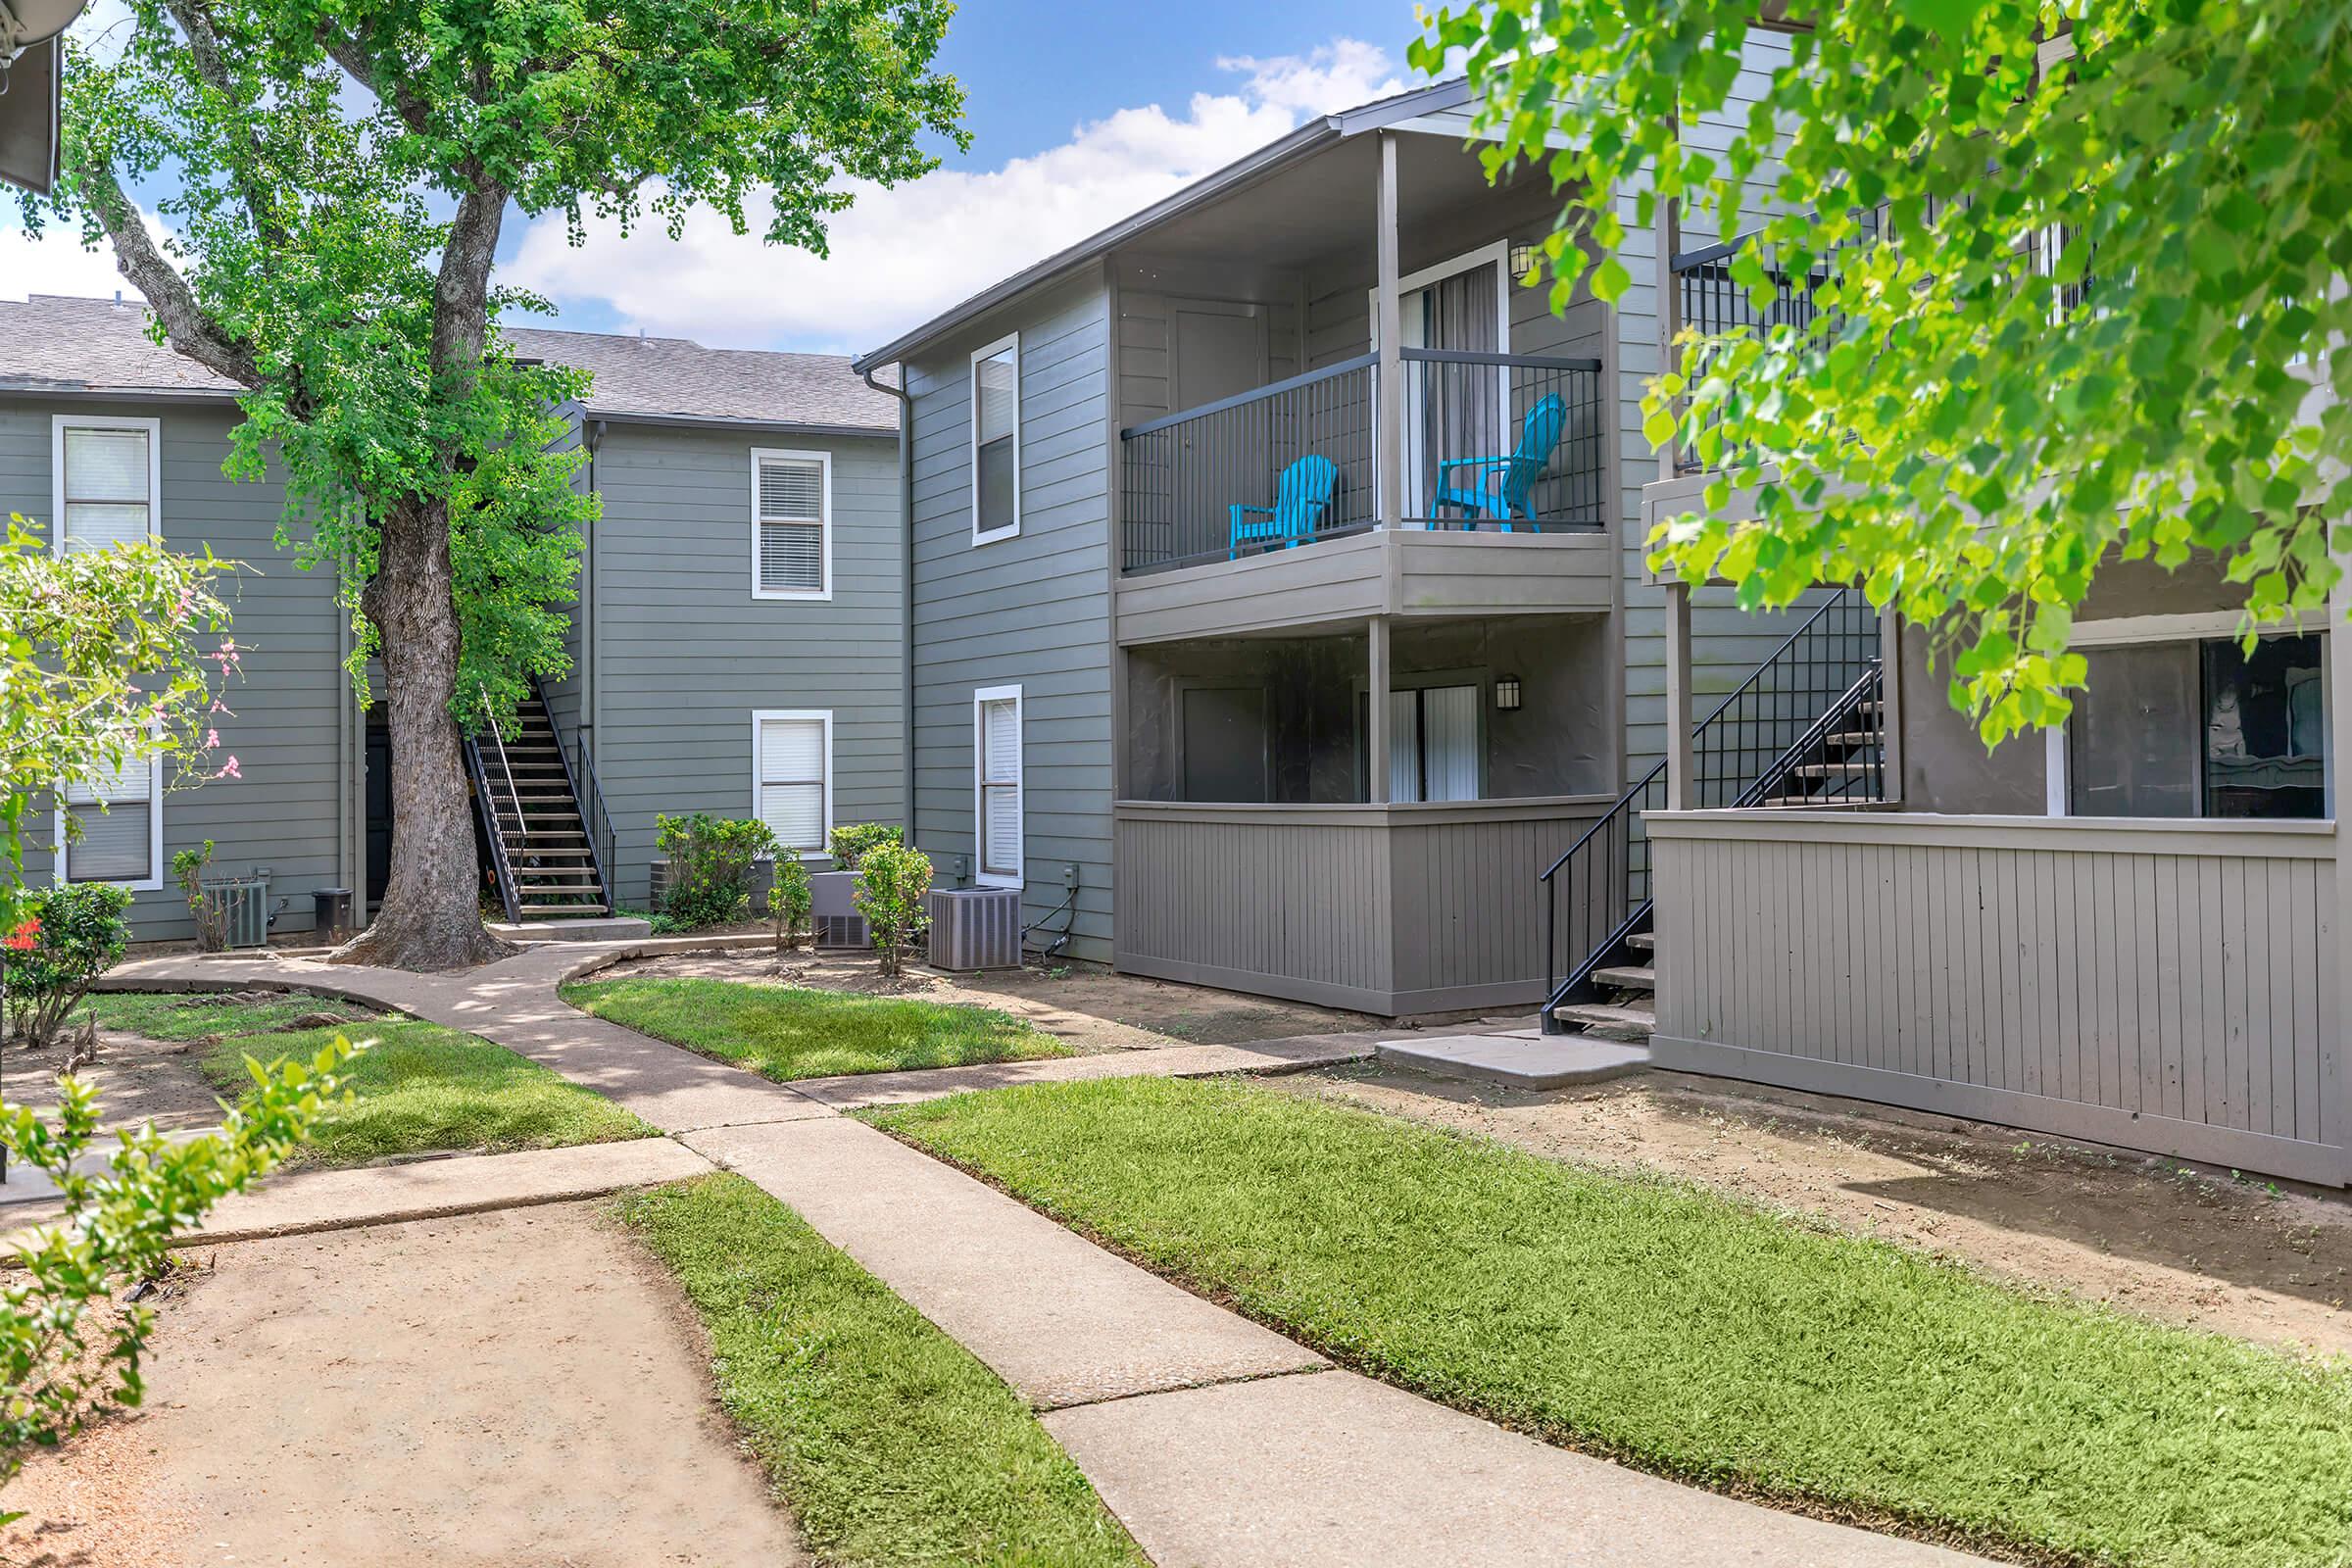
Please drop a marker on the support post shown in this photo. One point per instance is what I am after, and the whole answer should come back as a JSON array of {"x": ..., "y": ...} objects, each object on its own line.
[
  {"x": 2335, "y": 1072},
  {"x": 1682, "y": 793},
  {"x": 1388, "y": 394},
  {"x": 1670, "y": 314},
  {"x": 1891, "y": 704},
  {"x": 1376, "y": 763}
]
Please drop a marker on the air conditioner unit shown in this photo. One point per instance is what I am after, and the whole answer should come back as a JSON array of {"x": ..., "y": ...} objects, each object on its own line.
[
  {"x": 975, "y": 928},
  {"x": 241, "y": 907}
]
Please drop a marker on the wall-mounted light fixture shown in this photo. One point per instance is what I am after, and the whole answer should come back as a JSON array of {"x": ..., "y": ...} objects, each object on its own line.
[
  {"x": 1506, "y": 693},
  {"x": 1523, "y": 260}
]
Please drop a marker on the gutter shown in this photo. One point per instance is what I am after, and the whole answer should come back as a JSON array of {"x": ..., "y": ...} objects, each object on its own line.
[
  {"x": 592, "y": 437},
  {"x": 866, "y": 373}
]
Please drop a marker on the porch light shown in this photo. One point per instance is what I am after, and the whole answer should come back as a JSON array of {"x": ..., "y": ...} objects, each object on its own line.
[
  {"x": 1523, "y": 260},
  {"x": 1506, "y": 693}
]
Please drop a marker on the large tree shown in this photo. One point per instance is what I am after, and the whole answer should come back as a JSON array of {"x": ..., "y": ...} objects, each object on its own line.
[
  {"x": 2078, "y": 266},
  {"x": 337, "y": 173}
]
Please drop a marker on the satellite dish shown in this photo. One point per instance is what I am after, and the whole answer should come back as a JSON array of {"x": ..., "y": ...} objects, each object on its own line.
[{"x": 32, "y": 80}]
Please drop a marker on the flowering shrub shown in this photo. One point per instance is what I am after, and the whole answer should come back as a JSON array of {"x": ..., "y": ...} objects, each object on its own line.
[
  {"x": 710, "y": 861},
  {"x": 78, "y": 934},
  {"x": 212, "y": 921},
  {"x": 893, "y": 882}
]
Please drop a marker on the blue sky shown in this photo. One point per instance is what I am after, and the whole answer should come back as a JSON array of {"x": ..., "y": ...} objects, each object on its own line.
[{"x": 1079, "y": 114}]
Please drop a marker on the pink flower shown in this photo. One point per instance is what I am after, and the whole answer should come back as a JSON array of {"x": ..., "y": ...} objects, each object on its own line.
[
  {"x": 212, "y": 738},
  {"x": 228, "y": 769}
]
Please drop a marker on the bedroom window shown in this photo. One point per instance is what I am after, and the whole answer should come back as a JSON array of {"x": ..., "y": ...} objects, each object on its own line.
[
  {"x": 119, "y": 826},
  {"x": 997, "y": 777},
  {"x": 106, "y": 481},
  {"x": 997, "y": 441},
  {"x": 792, "y": 782},
  {"x": 792, "y": 547}
]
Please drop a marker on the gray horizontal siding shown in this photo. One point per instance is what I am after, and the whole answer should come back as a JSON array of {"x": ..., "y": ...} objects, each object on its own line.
[
  {"x": 1032, "y": 611},
  {"x": 283, "y": 727},
  {"x": 685, "y": 654}
]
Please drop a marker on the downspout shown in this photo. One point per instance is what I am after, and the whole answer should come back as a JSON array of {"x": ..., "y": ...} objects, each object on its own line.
[
  {"x": 593, "y": 687},
  {"x": 351, "y": 862},
  {"x": 906, "y": 593}
]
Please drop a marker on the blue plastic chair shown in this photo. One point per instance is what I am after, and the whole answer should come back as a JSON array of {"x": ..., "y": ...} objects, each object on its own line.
[
  {"x": 1299, "y": 501},
  {"x": 1509, "y": 493}
]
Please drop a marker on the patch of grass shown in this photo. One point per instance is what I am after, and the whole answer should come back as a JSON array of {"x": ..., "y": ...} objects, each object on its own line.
[
  {"x": 418, "y": 1088},
  {"x": 890, "y": 1443},
  {"x": 787, "y": 1032},
  {"x": 162, "y": 1015},
  {"x": 1687, "y": 1333}
]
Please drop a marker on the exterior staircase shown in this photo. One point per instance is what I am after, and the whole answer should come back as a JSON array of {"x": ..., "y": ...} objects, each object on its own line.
[
  {"x": 545, "y": 865},
  {"x": 1806, "y": 729}
]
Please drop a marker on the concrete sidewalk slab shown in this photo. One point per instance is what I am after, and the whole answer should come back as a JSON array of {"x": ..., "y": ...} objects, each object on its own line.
[
  {"x": 1060, "y": 1319},
  {"x": 864, "y": 1091},
  {"x": 431, "y": 1188},
  {"x": 1543, "y": 1061},
  {"x": 1337, "y": 1471}
]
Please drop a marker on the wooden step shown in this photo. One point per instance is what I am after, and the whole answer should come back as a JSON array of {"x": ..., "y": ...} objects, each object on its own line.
[
  {"x": 1626, "y": 977},
  {"x": 1642, "y": 942},
  {"x": 1608, "y": 1022}
]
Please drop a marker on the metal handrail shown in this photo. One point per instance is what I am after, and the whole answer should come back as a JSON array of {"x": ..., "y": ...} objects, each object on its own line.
[
  {"x": 1645, "y": 794},
  {"x": 498, "y": 840},
  {"x": 1257, "y": 394},
  {"x": 571, "y": 782}
]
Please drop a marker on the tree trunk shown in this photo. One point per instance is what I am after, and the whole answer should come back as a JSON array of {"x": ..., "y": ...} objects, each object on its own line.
[{"x": 431, "y": 915}]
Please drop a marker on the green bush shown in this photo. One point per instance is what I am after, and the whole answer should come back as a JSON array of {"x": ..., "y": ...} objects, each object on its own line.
[
  {"x": 789, "y": 899},
  {"x": 83, "y": 934},
  {"x": 211, "y": 919},
  {"x": 892, "y": 882},
  {"x": 710, "y": 861},
  {"x": 851, "y": 844}
]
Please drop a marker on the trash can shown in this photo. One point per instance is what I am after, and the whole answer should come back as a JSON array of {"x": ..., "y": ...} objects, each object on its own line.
[{"x": 333, "y": 918}]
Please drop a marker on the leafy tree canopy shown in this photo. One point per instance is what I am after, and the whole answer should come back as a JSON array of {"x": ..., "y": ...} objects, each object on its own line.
[
  {"x": 2070, "y": 308},
  {"x": 336, "y": 173}
]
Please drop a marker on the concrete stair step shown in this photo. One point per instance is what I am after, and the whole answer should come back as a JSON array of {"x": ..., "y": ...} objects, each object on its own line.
[{"x": 1608, "y": 1021}]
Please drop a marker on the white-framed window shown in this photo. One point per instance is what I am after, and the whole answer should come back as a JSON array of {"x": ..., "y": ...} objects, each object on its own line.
[
  {"x": 120, "y": 819},
  {"x": 792, "y": 524},
  {"x": 997, "y": 440},
  {"x": 792, "y": 776},
  {"x": 997, "y": 784},
  {"x": 107, "y": 478}
]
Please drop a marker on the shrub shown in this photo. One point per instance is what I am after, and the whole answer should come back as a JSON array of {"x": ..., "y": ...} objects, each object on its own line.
[
  {"x": 851, "y": 844},
  {"x": 789, "y": 899},
  {"x": 892, "y": 881},
  {"x": 82, "y": 935},
  {"x": 711, "y": 859},
  {"x": 211, "y": 919}
]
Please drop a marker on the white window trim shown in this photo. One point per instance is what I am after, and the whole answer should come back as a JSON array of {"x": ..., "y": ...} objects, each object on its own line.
[
  {"x": 825, "y": 523},
  {"x": 823, "y": 716},
  {"x": 153, "y": 881},
  {"x": 972, "y": 391},
  {"x": 981, "y": 875},
  {"x": 59, "y": 424},
  {"x": 1496, "y": 254}
]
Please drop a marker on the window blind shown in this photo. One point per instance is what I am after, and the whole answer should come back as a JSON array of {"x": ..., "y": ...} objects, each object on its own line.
[{"x": 792, "y": 525}]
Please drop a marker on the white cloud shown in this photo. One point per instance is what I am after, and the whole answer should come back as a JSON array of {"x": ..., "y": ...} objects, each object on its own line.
[
  {"x": 56, "y": 263},
  {"x": 900, "y": 256}
]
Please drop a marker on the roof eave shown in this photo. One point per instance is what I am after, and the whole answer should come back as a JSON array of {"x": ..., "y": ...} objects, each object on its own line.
[
  {"x": 722, "y": 422},
  {"x": 84, "y": 391}
]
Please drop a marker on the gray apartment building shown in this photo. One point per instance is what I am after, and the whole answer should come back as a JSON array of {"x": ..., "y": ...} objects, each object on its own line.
[{"x": 736, "y": 645}]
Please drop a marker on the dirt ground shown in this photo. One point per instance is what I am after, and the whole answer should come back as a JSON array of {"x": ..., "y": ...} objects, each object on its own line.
[
  {"x": 2264, "y": 1261},
  {"x": 137, "y": 1080},
  {"x": 518, "y": 1387},
  {"x": 1088, "y": 1008}
]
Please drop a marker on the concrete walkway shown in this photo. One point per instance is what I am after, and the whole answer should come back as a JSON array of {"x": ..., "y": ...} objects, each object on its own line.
[{"x": 1216, "y": 1441}]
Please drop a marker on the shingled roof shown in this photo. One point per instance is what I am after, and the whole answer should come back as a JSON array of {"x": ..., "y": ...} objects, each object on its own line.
[{"x": 56, "y": 343}]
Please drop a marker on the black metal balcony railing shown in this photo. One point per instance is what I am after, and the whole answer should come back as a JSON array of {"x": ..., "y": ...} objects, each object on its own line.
[{"x": 1466, "y": 418}]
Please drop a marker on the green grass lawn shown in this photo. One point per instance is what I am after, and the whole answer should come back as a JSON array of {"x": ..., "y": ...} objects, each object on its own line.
[
  {"x": 888, "y": 1440},
  {"x": 420, "y": 1087},
  {"x": 787, "y": 1032},
  {"x": 1686, "y": 1333}
]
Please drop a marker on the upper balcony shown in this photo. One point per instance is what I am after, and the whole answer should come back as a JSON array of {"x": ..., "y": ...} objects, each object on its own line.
[{"x": 1278, "y": 471}]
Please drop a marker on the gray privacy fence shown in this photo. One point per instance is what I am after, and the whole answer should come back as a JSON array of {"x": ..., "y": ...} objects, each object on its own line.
[
  {"x": 2170, "y": 987},
  {"x": 1465, "y": 421}
]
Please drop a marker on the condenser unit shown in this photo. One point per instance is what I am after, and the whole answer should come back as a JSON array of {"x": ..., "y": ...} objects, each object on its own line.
[
  {"x": 975, "y": 928},
  {"x": 240, "y": 907}
]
